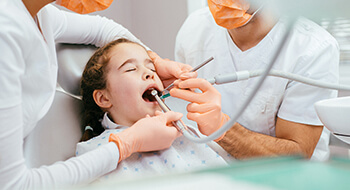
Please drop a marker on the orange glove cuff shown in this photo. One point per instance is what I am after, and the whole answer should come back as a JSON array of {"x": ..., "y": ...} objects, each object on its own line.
[
  {"x": 224, "y": 119},
  {"x": 115, "y": 138}
]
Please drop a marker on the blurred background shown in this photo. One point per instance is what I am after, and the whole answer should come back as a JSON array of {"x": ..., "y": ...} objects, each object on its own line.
[{"x": 156, "y": 23}]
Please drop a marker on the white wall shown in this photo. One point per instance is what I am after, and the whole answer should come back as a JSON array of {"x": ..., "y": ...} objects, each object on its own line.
[
  {"x": 154, "y": 22},
  {"x": 193, "y": 5}
]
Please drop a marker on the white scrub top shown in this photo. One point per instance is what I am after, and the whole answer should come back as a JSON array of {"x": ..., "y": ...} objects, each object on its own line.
[
  {"x": 28, "y": 78},
  {"x": 310, "y": 51}
]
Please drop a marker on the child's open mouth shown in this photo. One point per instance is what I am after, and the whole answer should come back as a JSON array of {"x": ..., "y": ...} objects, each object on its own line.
[{"x": 147, "y": 95}]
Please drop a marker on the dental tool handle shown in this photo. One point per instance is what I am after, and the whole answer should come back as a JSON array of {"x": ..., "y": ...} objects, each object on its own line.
[
  {"x": 165, "y": 109},
  {"x": 179, "y": 124},
  {"x": 193, "y": 70}
]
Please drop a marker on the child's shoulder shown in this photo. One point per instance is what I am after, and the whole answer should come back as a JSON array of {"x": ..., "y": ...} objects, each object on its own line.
[{"x": 95, "y": 142}]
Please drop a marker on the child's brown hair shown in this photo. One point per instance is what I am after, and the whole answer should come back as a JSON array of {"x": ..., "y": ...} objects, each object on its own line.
[{"x": 94, "y": 78}]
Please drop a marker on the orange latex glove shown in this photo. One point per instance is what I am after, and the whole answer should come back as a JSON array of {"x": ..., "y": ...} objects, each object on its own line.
[
  {"x": 147, "y": 134},
  {"x": 205, "y": 107},
  {"x": 168, "y": 70}
]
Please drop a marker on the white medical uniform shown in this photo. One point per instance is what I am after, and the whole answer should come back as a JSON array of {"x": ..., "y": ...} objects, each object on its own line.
[
  {"x": 183, "y": 155},
  {"x": 28, "y": 77},
  {"x": 310, "y": 51}
]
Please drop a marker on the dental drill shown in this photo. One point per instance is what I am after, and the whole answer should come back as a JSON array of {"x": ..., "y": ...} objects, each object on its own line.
[
  {"x": 244, "y": 75},
  {"x": 179, "y": 124}
]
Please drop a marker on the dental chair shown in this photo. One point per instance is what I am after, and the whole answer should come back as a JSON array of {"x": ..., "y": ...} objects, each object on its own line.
[{"x": 56, "y": 135}]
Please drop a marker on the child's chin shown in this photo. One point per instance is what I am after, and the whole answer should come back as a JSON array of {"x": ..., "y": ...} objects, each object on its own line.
[{"x": 153, "y": 112}]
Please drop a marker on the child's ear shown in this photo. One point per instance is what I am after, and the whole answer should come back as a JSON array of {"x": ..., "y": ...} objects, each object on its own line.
[{"x": 101, "y": 98}]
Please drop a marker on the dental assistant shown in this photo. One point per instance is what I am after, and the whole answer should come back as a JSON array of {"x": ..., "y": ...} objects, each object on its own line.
[
  {"x": 28, "y": 74},
  {"x": 281, "y": 119}
]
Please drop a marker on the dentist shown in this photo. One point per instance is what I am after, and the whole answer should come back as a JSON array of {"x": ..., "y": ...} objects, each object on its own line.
[
  {"x": 281, "y": 119},
  {"x": 28, "y": 74}
]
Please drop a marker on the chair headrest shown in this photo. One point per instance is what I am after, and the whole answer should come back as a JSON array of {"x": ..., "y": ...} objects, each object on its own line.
[{"x": 72, "y": 59}]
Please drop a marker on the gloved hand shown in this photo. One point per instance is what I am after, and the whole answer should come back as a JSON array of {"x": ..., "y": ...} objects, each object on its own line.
[
  {"x": 147, "y": 134},
  {"x": 205, "y": 107},
  {"x": 168, "y": 70}
]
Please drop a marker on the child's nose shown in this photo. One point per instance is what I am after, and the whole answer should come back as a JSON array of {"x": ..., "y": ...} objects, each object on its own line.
[{"x": 148, "y": 75}]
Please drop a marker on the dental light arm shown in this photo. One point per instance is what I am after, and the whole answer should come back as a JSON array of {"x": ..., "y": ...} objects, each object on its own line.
[{"x": 244, "y": 75}]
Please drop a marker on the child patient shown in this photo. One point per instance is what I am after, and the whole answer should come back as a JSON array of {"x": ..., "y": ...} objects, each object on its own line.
[{"x": 116, "y": 86}]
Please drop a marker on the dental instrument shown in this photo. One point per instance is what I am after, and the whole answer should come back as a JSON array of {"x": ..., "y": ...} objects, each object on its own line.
[
  {"x": 165, "y": 92},
  {"x": 179, "y": 124}
]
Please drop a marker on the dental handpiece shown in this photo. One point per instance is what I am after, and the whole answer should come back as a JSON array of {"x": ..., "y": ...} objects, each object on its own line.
[{"x": 179, "y": 124}]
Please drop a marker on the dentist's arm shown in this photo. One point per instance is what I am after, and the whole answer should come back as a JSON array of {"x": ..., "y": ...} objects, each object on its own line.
[
  {"x": 291, "y": 139},
  {"x": 205, "y": 109}
]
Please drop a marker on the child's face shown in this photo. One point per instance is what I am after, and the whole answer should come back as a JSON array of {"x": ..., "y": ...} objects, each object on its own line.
[{"x": 130, "y": 75}]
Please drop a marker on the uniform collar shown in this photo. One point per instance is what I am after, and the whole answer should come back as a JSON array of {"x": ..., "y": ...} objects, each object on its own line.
[{"x": 107, "y": 123}]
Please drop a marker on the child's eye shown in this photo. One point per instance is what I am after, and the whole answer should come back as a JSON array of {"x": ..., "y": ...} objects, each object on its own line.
[
  {"x": 131, "y": 69},
  {"x": 154, "y": 70}
]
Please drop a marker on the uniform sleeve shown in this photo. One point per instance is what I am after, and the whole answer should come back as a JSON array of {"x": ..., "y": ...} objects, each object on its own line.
[
  {"x": 179, "y": 51},
  {"x": 189, "y": 39},
  {"x": 14, "y": 173},
  {"x": 92, "y": 144},
  {"x": 86, "y": 29},
  {"x": 12, "y": 62},
  {"x": 320, "y": 62}
]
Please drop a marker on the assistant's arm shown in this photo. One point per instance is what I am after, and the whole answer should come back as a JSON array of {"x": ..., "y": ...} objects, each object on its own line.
[
  {"x": 86, "y": 29},
  {"x": 14, "y": 174}
]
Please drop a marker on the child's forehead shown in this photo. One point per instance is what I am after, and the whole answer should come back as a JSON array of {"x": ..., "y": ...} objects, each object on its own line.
[
  {"x": 125, "y": 52},
  {"x": 127, "y": 46}
]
